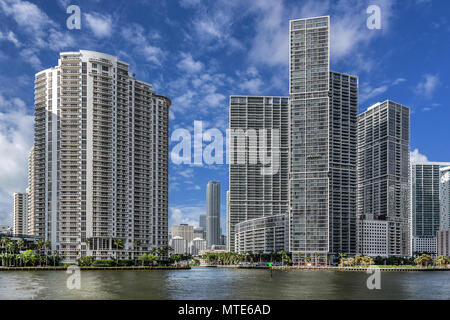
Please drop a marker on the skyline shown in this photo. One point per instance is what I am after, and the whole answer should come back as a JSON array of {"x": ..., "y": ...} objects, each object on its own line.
[{"x": 193, "y": 68}]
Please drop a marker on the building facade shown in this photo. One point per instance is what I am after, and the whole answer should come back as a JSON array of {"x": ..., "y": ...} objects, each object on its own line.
[
  {"x": 178, "y": 245},
  {"x": 196, "y": 245},
  {"x": 183, "y": 230},
  {"x": 373, "y": 238},
  {"x": 425, "y": 206},
  {"x": 383, "y": 172},
  {"x": 443, "y": 243},
  {"x": 323, "y": 110},
  {"x": 253, "y": 194},
  {"x": 262, "y": 235},
  {"x": 213, "y": 213},
  {"x": 100, "y": 159},
  {"x": 20, "y": 208},
  {"x": 444, "y": 197}
]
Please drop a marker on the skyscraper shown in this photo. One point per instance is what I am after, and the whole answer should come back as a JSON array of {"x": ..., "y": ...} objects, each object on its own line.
[
  {"x": 213, "y": 213},
  {"x": 20, "y": 208},
  {"x": 383, "y": 176},
  {"x": 185, "y": 231},
  {"x": 100, "y": 158},
  {"x": 252, "y": 194},
  {"x": 31, "y": 217},
  {"x": 444, "y": 197},
  {"x": 202, "y": 221},
  {"x": 323, "y": 110},
  {"x": 425, "y": 206}
]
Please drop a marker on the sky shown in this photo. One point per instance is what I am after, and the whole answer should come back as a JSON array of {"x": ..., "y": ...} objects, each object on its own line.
[{"x": 198, "y": 53}]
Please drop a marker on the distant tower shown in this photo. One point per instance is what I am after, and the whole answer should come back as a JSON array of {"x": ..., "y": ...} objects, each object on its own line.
[
  {"x": 202, "y": 221},
  {"x": 20, "y": 213},
  {"x": 213, "y": 213}
]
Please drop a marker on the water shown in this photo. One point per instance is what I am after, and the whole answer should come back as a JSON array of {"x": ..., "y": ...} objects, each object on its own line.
[{"x": 236, "y": 284}]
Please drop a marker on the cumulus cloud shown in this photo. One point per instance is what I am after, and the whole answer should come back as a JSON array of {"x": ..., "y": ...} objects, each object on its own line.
[
  {"x": 16, "y": 140},
  {"x": 428, "y": 85},
  {"x": 416, "y": 156},
  {"x": 140, "y": 38},
  {"x": 186, "y": 214},
  {"x": 100, "y": 25},
  {"x": 11, "y": 37},
  {"x": 188, "y": 64}
]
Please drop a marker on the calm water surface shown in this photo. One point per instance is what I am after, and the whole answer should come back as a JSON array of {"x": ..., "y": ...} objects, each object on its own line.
[{"x": 211, "y": 283}]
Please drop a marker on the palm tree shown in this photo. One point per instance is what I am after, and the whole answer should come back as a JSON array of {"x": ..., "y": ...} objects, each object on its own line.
[
  {"x": 118, "y": 243},
  {"x": 55, "y": 253}
]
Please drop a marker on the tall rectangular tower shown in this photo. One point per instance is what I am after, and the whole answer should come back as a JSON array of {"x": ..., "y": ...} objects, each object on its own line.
[
  {"x": 383, "y": 173},
  {"x": 444, "y": 196},
  {"x": 100, "y": 159},
  {"x": 20, "y": 208},
  {"x": 253, "y": 194},
  {"x": 213, "y": 213},
  {"x": 425, "y": 206},
  {"x": 323, "y": 110}
]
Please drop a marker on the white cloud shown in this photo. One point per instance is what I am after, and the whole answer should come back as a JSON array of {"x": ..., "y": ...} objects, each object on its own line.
[
  {"x": 188, "y": 64},
  {"x": 187, "y": 215},
  {"x": 214, "y": 99},
  {"x": 137, "y": 35},
  {"x": 100, "y": 25},
  {"x": 428, "y": 85},
  {"x": 26, "y": 14},
  {"x": 187, "y": 173},
  {"x": 30, "y": 55},
  {"x": 368, "y": 93},
  {"x": 11, "y": 37},
  {"x": 16, "y": 139},
  {"x": 416, "y": 156}
]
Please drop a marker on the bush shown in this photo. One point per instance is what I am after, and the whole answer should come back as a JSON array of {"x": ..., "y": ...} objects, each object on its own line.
[
  {"x": 85, "y": 261},
  {"x": 104, "y": 263},
  {"x": 126, "y": 263}
]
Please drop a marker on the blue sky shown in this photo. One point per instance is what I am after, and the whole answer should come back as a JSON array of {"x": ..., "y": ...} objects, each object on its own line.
[{"x": 198, "y": 53}]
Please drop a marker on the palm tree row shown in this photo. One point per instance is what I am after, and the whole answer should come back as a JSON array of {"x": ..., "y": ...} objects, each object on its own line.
[{"x": 232, "y": 258}]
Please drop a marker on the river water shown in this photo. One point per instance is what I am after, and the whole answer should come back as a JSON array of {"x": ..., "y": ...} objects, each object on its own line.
[{"x": 217, "y": 283}]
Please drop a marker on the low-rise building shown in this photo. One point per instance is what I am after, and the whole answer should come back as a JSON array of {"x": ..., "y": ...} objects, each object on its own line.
[
  {"x": 178, "y": 244},
  {"x": 196, "y": 245},
  {"x": 266, "y": 235},
  {"x": 373, "y": 238}
]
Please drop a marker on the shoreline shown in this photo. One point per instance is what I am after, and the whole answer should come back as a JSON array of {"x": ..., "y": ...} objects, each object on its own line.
[
  {"x": 136, "y": 268},
  {"x": 341, "y": 269}
]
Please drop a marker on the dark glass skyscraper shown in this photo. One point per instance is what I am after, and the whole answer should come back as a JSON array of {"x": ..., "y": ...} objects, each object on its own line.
[{"x": 213, "y": 213}]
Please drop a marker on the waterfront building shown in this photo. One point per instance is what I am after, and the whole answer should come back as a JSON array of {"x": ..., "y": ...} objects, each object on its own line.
[
  {"x": 20, "y": 213},
  {"x": 262, "y": 235},
  {"x": 383, "y": 173},
  {"x": 183, "y": 230},
  {"x": 199, "y": 233},
  {"x": 444, "y": 197},
  {"x": 253, "y": 194},
  {"x": 100, "y": 159},
  {"x": 323, "y": 111},
  {"x": 34, "y": 222},
  {"x": 213, "y": 213},
  {"x": 443, "y": 243},
  {"x": 425, "y": 205},
  {"x": 178, "y": 244},
  {"x": 373, "y": 238},
  {"x": 196, "y": 245}
]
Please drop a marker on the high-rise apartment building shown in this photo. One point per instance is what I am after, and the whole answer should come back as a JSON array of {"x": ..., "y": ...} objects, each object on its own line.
[
  {"x": 20, "y": 208},
  {"x": 100, "y": 158},
  {"x": 445, "y": 199},
  {"x": 31, "y": 218},
  {"x": 425, "y": 206},
  {"x": 253, "y": 194},
  {"x": 213, "y": 213},
  {"x": 383, "y": 174},
  {"x": 185, "y": 231},
  {"x": 323, "y": 111}
]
